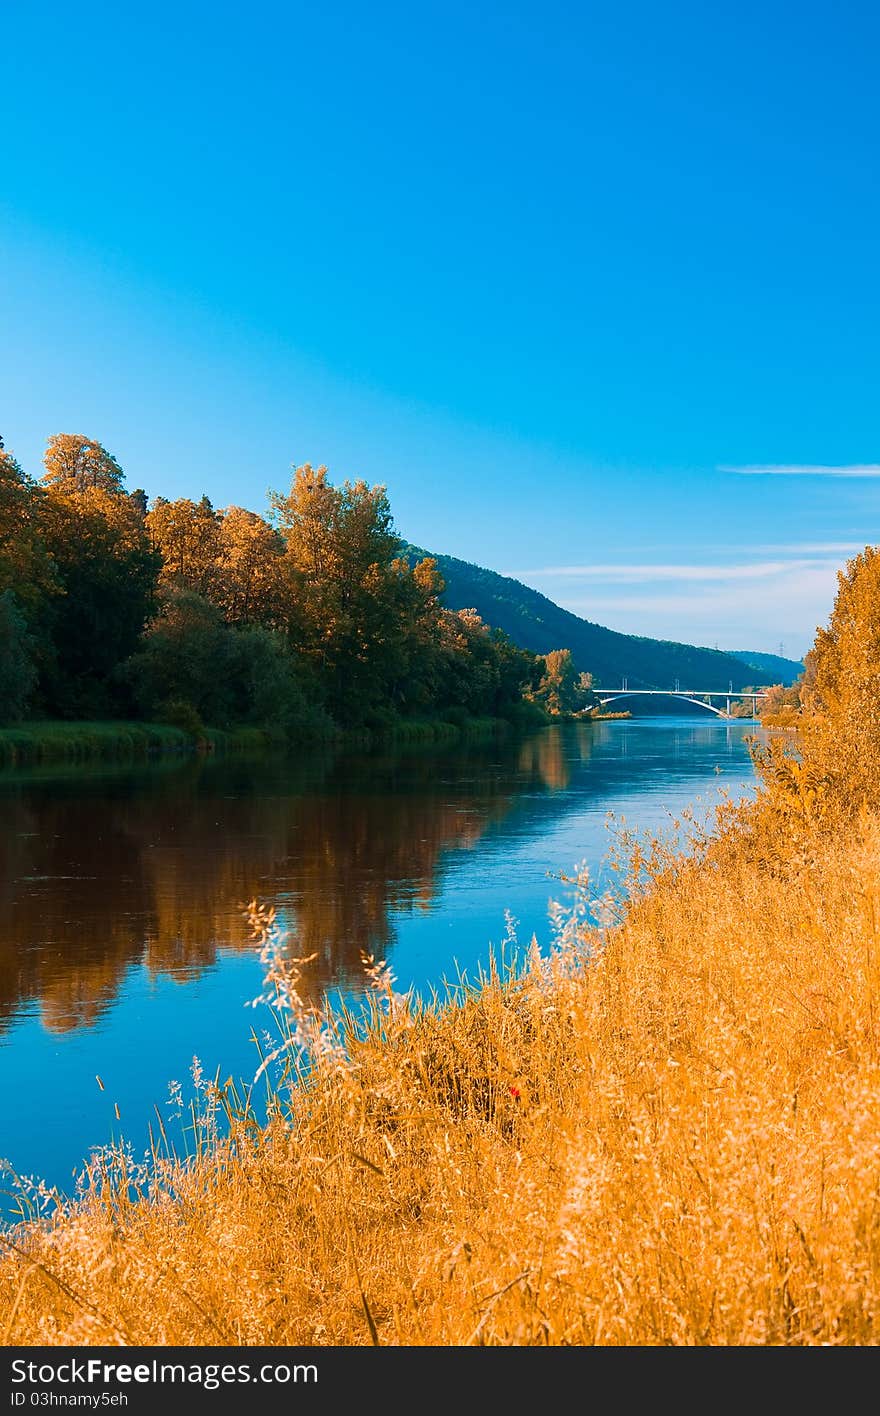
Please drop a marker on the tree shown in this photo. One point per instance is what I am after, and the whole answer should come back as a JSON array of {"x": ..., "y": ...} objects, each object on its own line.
[
  {"x": 107, "y": 572},
  {"x": 340, "y": 549},
  {"x": 29, "y": 576},
  {"x": 412, "y": 648},
  {"x": 190, "y": 659},
  {"x": 24, "y": 564},
  {"x": 484, "y": 673},
  {"x": 16, "y": 492},
  {"x": 78, "y": 464},
  {"x": 561, "y": 689},
  {"x": 181, "y": 659},
  {"x": 780, "y": 706},
  {"x": 840, "y": 734},
  {"x": 187, "y": 536},
  {"x": 18, "y": 674},
  {"x": 515, "y": 673},
  {"x": 252, "y": 584}
]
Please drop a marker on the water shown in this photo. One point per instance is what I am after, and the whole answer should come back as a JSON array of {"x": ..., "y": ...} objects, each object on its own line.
[{"x": 123, "y": 948}]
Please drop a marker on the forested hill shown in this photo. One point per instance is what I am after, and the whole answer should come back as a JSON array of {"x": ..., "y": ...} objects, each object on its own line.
[
  {"x": 773, "y": 668},
  {"x": 534, "y": 622}
]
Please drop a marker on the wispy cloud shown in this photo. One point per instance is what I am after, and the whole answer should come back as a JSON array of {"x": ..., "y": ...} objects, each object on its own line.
[
  {"x": 798, "y": 469},
  {"x": 802, "y": 548},
  {"x": 787, "y": 606},
  {"x": 747, "y": 604},
  {"x": 643, "y": 574},
  {"x": 798, "y": 592}
]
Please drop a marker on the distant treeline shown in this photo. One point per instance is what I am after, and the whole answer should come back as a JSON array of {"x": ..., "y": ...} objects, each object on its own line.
[{"x": 172, "y": 610}]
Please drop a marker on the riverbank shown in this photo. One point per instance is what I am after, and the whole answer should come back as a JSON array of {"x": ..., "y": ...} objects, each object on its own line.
[
  {"x": 663, "y": 1132},
  {"x": 43, "y": 743}
]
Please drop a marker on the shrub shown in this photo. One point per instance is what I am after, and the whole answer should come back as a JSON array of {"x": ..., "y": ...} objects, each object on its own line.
[{"x": 180, "y": 714}]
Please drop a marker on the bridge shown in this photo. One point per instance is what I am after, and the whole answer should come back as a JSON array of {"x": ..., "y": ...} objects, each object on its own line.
[{"x": 700, "y": 698}]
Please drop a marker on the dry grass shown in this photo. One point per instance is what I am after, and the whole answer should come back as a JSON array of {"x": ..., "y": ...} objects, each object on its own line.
[{"x": 666, "y": 1131}]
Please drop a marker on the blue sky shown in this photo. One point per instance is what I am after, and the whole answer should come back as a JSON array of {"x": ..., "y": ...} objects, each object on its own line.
[{"x": 555, "y": 274}]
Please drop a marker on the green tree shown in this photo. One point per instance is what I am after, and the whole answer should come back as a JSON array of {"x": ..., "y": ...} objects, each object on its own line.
[
  {"x": 270, "y": 686},
  {"x": 484, "y": 673},
  {"x": 226, "y": 676},
  {"x": 18, "y": 673},
  {"x": 181, "y": 659}
]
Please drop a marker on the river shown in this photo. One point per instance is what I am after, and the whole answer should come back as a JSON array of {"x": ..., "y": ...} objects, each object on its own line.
[{"x": 124, "y": 952}]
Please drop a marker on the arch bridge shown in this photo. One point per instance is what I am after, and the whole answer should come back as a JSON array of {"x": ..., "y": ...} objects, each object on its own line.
[{"x": 700, "y": 698}]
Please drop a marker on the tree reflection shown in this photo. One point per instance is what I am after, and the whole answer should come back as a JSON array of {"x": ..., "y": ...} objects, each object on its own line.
[{"x": 153, "y": 869}]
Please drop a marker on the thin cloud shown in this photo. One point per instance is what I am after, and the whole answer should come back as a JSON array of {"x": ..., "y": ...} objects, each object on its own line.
[
  {"x": 797, "y": 592},
  {"x": 846, "y": 548},
  {"x": 641, "y": 574},
  {"x": 740, "y": 613},
  {"x": 797, "y": 469}
]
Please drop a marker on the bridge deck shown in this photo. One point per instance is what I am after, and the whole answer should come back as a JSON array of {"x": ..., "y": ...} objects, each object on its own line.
[
  {"x": 697, "y": 696},
  {"x": 686, "y": 692}
]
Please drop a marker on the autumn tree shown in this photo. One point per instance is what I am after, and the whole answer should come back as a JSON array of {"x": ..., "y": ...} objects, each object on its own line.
[
  {"x": 187, "y": 536},
  {"x": 340, "y": 546},
  {"x": 114, "y": 604},
  {"x": 841, "y": 729},
  {"x": 16, "y": 495},
  {"x": 77, "y": 464},
  {"x": 25, "y": 566},
  {"x": 413, "y": 652},
  {"x": 779, "y": 707},
  {"x": 560, "y": 688},
  {"x": 107, "y": 571},
  {"x": 252, "y": 585},
  {"x": 28, "y": 582}
]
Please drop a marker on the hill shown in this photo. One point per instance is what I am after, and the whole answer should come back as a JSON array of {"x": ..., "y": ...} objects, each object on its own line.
[
  {"x": 773, "y": 668},
  {"x": 534, "y": 622}
]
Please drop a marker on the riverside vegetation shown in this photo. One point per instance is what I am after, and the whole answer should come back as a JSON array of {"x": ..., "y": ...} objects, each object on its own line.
[
  {"x": 663, "y": 1129},
  {"x": 174, "y": 615}
]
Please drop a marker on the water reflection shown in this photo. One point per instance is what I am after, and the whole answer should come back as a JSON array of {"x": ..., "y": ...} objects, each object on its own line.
[
  {"x": 149, "y": 868},
  {"x": 123, "y": 949}
]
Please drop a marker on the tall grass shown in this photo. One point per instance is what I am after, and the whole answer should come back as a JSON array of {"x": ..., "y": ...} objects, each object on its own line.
[
  {"x": 65, "y": 742},
  {"x": 77, "y": 742},
  {"x": 418, "y": 730},
  {"x": 663, "y": 1129}
]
